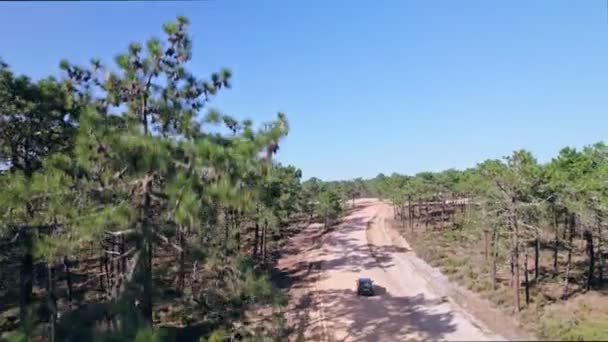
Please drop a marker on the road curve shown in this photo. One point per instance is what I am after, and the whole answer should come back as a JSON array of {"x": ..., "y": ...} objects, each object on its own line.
[{"x": 404, "y": 308}]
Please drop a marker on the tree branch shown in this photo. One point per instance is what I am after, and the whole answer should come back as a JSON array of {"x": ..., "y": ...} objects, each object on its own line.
[{"x": 166, "y": 240}]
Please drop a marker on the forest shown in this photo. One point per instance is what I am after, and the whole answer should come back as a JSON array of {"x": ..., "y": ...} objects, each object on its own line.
[
  {"x": 131, "y": 210},
  {"x": 529, "y": 236}
]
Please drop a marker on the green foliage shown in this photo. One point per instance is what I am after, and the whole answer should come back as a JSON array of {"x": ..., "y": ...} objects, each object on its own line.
[
  {"x": 329, "y": 206},
  {"x": 16, "y": 336},
  {"x": 218, "y": 336},
  {"x": 570, "y": 327},
  {"x": 133, "y": 149},
  {"x": 138, "y": 156},
  {"x": 258, "y": 288},
  {"x": 37, "y": 120},
  {"x": 149, "y": 335}
]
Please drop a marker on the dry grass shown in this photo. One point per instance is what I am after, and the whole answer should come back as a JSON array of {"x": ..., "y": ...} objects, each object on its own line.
[{"x": 584, "y": 316}]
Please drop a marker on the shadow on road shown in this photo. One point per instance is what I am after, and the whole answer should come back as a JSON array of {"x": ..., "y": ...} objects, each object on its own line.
[
  {"x": 355, "y": 256},
  {"x": 382, "y": 317},
  {"x": 387, "y": 317}
]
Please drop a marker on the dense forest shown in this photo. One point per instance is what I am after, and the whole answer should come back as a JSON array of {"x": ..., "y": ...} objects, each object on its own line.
[
  {"x": 530, "y": 236},
  {"x": 131, "y": 211}
]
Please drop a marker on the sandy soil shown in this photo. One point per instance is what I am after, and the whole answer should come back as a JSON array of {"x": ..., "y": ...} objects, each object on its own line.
[{"x": 323, "y": 300}]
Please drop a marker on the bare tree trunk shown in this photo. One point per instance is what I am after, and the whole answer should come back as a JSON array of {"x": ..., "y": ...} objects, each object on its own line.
[
  {"x": 600, "y": 252},
  {"x": 494, "y": 255},
  {"x": 486, "y": 246},
  {"x": 237, "y": 229},
  {"x": 182, "y": 259},
  {"x": 123, "y": 250},
  {"x": 226, "y": 230},
  {"x": 256, "y": 240},
  {"x": 516, "y": 282},
  {"x": 68, "y": 280},
  {"x": 110, "y": 266},
  {"x": 102, "y": 271},
  {"x": 536, "y": 255},
  {"x": 411, "y": 214},
  {"x": 591, "y": 254},
  {"x": 565, "y": 232},
  {"x": 26, "y": 275},
  {"x": 147, "y": 305},
  {"x": 512, "y": 269},
  {"x": 193, "y": 278},
  {"x": 426, "y": 216},
  {"x": 526, "y": 280},
  {"x": 570, "y": 230},
  {"x": 51, "y": 302},
  {"x": 441, "y": 217},
  {"x": 556, "y": 242},
  {"x": 264, "y": 241}
]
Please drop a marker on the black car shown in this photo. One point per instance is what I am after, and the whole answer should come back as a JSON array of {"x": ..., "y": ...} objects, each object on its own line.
[{"x": 365, "y": 287}]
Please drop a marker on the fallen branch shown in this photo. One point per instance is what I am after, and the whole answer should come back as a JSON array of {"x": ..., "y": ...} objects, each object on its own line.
[
  {"x": 121, "y": 256},
  {"x": 122, "y": 232},
  {"x": 126, "y": 254},
  {"x": 166, "y": 240}
]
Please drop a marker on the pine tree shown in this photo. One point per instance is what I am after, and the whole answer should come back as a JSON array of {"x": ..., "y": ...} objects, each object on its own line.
[{"x": 37, "y": 120}]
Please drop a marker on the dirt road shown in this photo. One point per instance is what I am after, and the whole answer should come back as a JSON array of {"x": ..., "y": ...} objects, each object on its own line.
[{"x": 405, "y": 306}]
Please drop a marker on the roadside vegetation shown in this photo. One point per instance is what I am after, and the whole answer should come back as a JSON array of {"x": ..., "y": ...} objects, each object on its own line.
[
  {"x": 130, "y": 210},
  {"x": 529, "y": 237}
]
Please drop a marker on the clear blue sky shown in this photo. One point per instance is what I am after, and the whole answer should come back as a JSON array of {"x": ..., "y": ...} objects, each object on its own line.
[{"x": 368, "y": 86}]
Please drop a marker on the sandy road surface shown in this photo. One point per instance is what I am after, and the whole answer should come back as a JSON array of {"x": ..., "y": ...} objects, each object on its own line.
[{"x": 404, "y": 308}]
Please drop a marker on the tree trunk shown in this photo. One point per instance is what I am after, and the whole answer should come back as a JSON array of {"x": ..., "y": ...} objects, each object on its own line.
[
  {"x": 486, "y": 247},
  {"x": 526, "y": 280},
  {"x": 565, "y": 232},
  {"x": 26, "y": 276},
  {"x": 591, "y": 254},
  {"x": 193, "y": 278},
  {"x": 516, "y": 282},
  {"x": 494, "y": 255},
  {"x": 426, "y": 216},
  {"x": 112, "y": 283},
  {"x": 570, "y": 230},
  {"x": 265, "y": 241},
  {"x": 51, "y": 302},
  {"x": 123, "y": 250},
  {"x": 102, "y": 271},
  {"x": 237, "y": 229},
  {"x": 182, "y": 259},
  {"x": 556, "y": 242},
  {"x": 226, "y": 230},
  {"x": 441, "y": 218},
  {"x": 68, "y": 280},
  {"x": 536, "y": 255},
  {"x": 256, "y": 239},
  {"x": 147, "y": 300},
  {"x": 512, "y": 269},
  {"x": 146, "y": 305},
  {"x": 600, "y": 252},
  {"x": 410, "y": 214}
]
